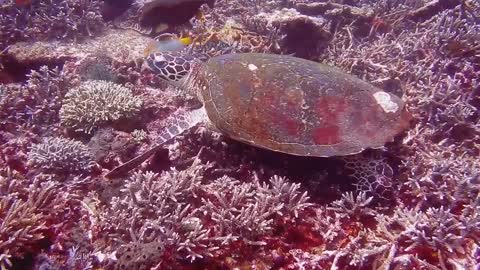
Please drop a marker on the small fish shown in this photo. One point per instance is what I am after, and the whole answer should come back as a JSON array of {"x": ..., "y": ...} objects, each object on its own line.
[{"x": 167, "y": 43}]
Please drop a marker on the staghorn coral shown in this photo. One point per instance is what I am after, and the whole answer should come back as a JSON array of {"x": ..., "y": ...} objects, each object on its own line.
[
  {"x": 353, "y": 207},
  {"x": 165, "y": 216},
  {"x": 35, "y": 103},
  {"x": 48, "y": 19},
  {"x": 27, "y": 214},
  {"x": 247, "y": 210},
  {"x": 424, "y": 239},
  {"x": 61, "y": 155},
  {"x": 96, "y": 103},
  {"x": 406, "y": 238},
  {"x": 342, "y": 228}
]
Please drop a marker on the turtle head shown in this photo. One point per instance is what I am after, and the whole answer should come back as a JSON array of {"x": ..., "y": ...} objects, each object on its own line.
[{"x": 173, "y": 67}]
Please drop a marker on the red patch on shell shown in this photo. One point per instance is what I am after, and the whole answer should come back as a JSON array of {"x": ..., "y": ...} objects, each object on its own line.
[
  {"x": 328, "y": 109},
  {"x": 283, "y": 115},
  {"x": 326, "y": 135},
  {"x": 292, "y": 126}
]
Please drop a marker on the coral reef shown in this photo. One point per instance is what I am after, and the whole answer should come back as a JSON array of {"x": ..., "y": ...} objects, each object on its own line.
[
  {"x": 35, "y": 103},
  {"x": 122, "y": 46},
  {"x": 96, "y": 103},
  {"x": 207, "y": 202},
  {"x": 60, "y": 155},
  {"x": 27, "y": 215},
  {"x": 160, "y": 217},
  {"x": 51, "y": 19},
  {"x": 298, "y": 34}
]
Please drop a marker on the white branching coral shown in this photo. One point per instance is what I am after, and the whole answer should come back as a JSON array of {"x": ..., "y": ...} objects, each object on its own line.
[
  {"x": 95, "y": 103},
  {"x": 52, "y": 19},
  {"x": 434, "y": 237},
  {"x": 171, "y": 211},
  {"x": 353, "y": 206},
  {"x": 247, "y": 210},
  {"x": 26, "y": 212},
  {"x": 293, "y": 201},
  {"x": 37, "y": 102},
  {"x": 61, "y": 155}
]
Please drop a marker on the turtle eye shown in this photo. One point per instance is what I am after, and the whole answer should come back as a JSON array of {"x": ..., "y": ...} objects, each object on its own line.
[{"x": 170, "y": 67}]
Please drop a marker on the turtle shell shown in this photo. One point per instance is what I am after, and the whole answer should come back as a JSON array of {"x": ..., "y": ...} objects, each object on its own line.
[{"x": 297, "y": 106}]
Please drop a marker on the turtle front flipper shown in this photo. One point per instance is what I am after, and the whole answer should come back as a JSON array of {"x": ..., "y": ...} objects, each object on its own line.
[{"x": 176, "y": 124}]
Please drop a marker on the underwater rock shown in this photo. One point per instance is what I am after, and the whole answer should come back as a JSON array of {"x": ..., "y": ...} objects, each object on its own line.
[
  {"x": 109, "y": 146},
  {"x": 112, "y": 9},
  {"x": 333, "y": 9},
  {"x": 302, "y": 35}
]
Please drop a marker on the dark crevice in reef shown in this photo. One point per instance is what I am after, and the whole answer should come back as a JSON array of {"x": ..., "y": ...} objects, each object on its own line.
[
  {"x": 302, "y": 35},
  {"x": 16, "y": 72}
]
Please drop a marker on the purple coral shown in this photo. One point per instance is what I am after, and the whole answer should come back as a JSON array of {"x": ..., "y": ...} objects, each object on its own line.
[
  {"x": 424, "y": 239},
  {"x": 170, "y": 212},
  {"x": 26, "y": 215},
  {"x": 35, "y": 103},
  {"x": 57, "y": 19}
]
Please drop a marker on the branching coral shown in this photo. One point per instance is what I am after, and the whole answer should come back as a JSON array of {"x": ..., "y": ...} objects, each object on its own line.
[
  {"x": 170, "y": 212},
  {"x": 48, "y": 19},
  {"x": 61, "y": 155},
  {"x": 96, "y": 103},
  {"x": 36, "y": 103},
  {"x": 420, "y": 239},
  {"x": 352, "y": 207},
  {"x": 26, "y": 215},
  {"x": 436, "y": 238},
  {"x": 342, "y": 226},
  {"x": 247, "y": 210}
]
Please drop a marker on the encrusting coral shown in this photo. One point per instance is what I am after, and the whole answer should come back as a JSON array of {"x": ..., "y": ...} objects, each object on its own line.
[{"x": 95, "y": 103}]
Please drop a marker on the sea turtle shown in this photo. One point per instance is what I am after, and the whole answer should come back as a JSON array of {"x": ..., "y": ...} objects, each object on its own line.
[{"x": 279, "y": 102}]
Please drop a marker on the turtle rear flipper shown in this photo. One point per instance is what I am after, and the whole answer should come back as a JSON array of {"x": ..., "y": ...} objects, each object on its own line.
[{"x": 176, "y": 124}]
